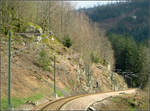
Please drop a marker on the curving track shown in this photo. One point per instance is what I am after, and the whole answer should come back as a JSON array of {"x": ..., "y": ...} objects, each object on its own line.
[
  {"x": 81, "y": 102},
  {"x": 58, "y": 104}
]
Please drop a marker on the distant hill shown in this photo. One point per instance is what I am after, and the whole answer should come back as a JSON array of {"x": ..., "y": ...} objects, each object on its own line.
[
  {"x": 126, "y": 26},
  {"x": 129, "y": 18}
]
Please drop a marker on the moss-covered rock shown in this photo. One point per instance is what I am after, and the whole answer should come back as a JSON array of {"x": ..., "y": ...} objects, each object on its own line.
[{"x": 33, "y": 28}]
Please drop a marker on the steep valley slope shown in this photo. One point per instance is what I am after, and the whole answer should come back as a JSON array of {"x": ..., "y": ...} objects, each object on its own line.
[{"x": 32, "y": 68}]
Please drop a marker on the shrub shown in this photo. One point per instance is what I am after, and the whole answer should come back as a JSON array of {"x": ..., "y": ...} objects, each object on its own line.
[
  {"x": 44, "y": 60},
  {"x": 94, "y": 58},
  {"x": 59, "y": 93},
  {"x": 67, "y": 41},
  {"x": 105, "y": 63}
]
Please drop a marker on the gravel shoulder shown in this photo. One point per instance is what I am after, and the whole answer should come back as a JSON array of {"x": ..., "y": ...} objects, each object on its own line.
[{"x": 84, "y": 102}]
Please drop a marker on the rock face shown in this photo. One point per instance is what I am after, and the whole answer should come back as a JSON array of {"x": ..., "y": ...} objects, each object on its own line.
[
  {"x": 99, "y": 79},
  {"x": 33, "y": 28}
]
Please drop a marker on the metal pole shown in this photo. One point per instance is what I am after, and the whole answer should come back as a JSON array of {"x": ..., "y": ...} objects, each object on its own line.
[
  {"x": 131, "y": 83},
  {"x": 112, "y": 80},
  {"x": 54, "y": 75},
  {"x": 9, "y": 72},
  {"x": 0, "y": 74},
  {"x": 88, "y": 76}
]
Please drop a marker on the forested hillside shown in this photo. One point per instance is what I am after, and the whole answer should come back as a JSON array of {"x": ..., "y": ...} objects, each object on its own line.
[
  {"x": 132, "y": 18},
  {"x": 126, "y": 26}
]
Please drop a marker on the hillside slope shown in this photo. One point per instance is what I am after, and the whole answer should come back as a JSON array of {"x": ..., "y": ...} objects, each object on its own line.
[
  {"x": 123, "y": 18},
  {"x": 32, "y": 63}
]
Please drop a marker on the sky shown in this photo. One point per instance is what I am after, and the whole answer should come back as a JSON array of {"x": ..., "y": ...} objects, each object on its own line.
[{"x": 87, "y": 4}]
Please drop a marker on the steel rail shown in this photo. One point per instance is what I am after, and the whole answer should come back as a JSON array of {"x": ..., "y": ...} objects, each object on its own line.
[
  {"x": 68, "y": 99},
  {"x": 60, "y": 106}
]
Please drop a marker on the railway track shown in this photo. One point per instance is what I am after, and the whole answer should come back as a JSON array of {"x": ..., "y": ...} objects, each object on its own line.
[
  {"x": 60, "y": 103},
  {"x": 57, "y": 104}
]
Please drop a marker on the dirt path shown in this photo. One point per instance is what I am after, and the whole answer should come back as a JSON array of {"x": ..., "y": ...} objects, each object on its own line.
[{"x": 84, "y": 102}]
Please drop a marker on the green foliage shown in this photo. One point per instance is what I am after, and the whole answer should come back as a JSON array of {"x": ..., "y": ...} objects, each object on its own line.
[
  {"x": 105, "y": 63},
  {"x": 37, "y": 27},
  {"x": 67, "y": 89},
  {"x": 94, "y": 58},
  {"x": 72, "y": 82},
  {"x": 67, "y": 41},
  {"x": 115, "y": 99},
  {"x": 9, "y": 19},
  {"x": 59, "y": 93},
  {"x": 16, "y": 101},
  {"x": 44, "y": 60},
  {"x": 113, "y": 10},
  {"x": 34, "y": 97},
  {"x": 132, "y": 109},
  {"x": 137, "y": 27},
  {"x": 131, "y": 57}
]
